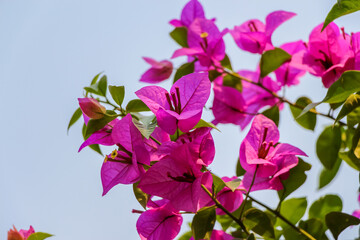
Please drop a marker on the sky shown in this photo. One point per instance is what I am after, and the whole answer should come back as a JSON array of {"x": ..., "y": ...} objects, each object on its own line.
[{"x": 51, "y": 49}]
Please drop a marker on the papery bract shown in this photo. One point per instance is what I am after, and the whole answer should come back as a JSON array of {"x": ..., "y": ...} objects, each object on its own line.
[
  {"x": 182, "y": 107},
  {"x": 260, "y": 152},
  {"x": 231, "y": 200},
  {"x": 124, "y": 165},
  {"x": 255, "y": 36},
  {"x": 158, "y": 72},
  {"x": 190, "y": 12},
  {"x": 205, "y": 42},
  {"x": 218, "y": 235},
  {"x": 163, "y": 222},
  {"x": 289, "y": 73},
  {"x": 356, "y": 213},
  {"x": 92, "y": 108},
  {"x": 178, "y": 178},
  {"x": 153, "y": 147},
  {"x": 329, "y": 53},
  {"x": 14, "y": 234}
]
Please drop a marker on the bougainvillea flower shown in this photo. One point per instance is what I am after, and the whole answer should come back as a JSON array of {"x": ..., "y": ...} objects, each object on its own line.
[
  {"x": 178, "y": 178},
  {"x": 182, "y": 107},
  {"x": 254, "y": 36},
  {"x": 205, "y": 42},
  {"x": 356, "y": 213},
  {"x": 124, "y": 165},
  {"x": 329, "y": 53},
  {"x": 218, "y": 235},
  {"x": 190, "y": 12},
  {"x": 158, "y": 72},
  {"x": 229, "y": 106},
  {"x": 92, "y": 108},
  {"x": 355, "y": 43},
  {"x": 260, "y": 152},
  {"x": 102, "y": 137},
  {"x": 14, "y": 234},
  {"x": 231, "y": 200},
  {"x": 159, "y": 222},
  {"x": 289, "y": 73},
  {"x": 153, "y": 147}
]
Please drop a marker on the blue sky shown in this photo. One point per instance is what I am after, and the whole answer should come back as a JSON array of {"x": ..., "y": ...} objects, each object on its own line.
[{"x": 51, "y": 49}]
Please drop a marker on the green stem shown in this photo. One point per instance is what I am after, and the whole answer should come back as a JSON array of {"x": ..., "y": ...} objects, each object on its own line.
[
  {"x": 278, "y": 214},
  {"x": 155, "y": 140},
  {"x": 219, "y": 205}
]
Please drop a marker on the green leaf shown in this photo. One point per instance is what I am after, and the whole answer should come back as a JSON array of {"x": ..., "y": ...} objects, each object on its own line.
[
  {"x": 203, "y": 123},
  {"x": 341, "y": 8},
  {"x": 98, "y": 87},
  {"x": 308, "y": 120},
  {"x": 94, "y": 80},
  {"x": 179, "y": 34},
  {"x": 296, "y": 178},
  {"x": 39, "y": 236},
  {"x": 239, "y": 170},
  {"x": 226, "y": 63},
  {"x": 233, "y": 184},
  {"x": 292, "y": 209},
  {"x": 353, "y": 117},
  {"x": 185, "y": 236},
  {"x": 251, "y": 237},
  {"x": 326, "y": 176},
  {"x": 213, "y": 74},
  {"x": 145, "y": 124},
  {"x": 324, "y": 205},
  {"x": 259, "y": 222},
  {"x": 328, "y": 146},
  {"x": 225, "y": 221},
  {"x": 96, "y": 148},
  {"x": 218, "y": 184},
  {"x": 76, "y": 116},
  {"x": 232, "y": 80},
  {"x": 338, "y": 221},
  {"x": 184, "y": 69},
  {"x": 117, "y": 93},
  {"x": 141, "y": 197},
  {"x": 203, "y": 223},
  {"x": 272, "y": 60},
  {"x": 314, "y": 227},
  {"x": 136, "y": 105},
  {"x": 351, "y": 103},
  {"x": 350, "y": 158},
  {"x": 97, "y": 124},
  {"x": 103, "y": 85},
  {"x": 273, "y": 113}
]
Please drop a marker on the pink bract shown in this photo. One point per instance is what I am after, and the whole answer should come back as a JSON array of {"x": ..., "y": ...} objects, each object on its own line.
[
  {"x": 190, "y": 12},
  {"x": 182, "y": 107},
  {"x": 14, "y": 234},
  {"x": 92, "y": 108},
  {"x": 218, "y": 235},
  {"x": 158, "y": 72},
  {"x": 231, "y": 200},
  {"x": 262, "y": 153}
]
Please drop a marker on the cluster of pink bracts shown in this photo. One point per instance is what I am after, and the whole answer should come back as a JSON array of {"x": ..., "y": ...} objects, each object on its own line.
[
  {"x": 175, "y": 171},
  {"x": 14, "y": 234}
]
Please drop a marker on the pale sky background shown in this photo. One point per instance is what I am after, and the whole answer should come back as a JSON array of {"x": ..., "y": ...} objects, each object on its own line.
[{"x": 51, "y": 49}]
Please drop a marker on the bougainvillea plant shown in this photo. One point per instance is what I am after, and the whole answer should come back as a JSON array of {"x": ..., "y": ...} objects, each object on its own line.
[{"x": 164, "y": 148}]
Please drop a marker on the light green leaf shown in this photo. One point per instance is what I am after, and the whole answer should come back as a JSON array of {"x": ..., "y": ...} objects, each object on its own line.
[
  {"x": 321, "y": 207},
  {"x": 203, "y": 223},
  {"x": 351, "y": 103},
  {"x": 103, "y": 85},
  {"x": 76, "y": 116},
  {"x": 203, "y": 123},
  {"x": 272, "y": 60},
  {"x": 308, "y": 120},
  {"x": 233, "y": 184},
  {"x": 136, "y": 105},
  {"x": 39, "y": 236},
  {"x": 328, "y": 146},
  {"x": 94, "y": 80},
  {"x": 117, "y": 93},
  {"x": 326, "y": 176},
  {"x": 140, "y": 196},
  {"x": 218, "y": 184},
  {"x": 145, "y": 124},
  {"x": 292, "y": 209},
  {"x": 341, "y": 8}
]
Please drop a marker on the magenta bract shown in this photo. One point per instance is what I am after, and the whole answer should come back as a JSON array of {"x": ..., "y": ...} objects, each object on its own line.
[
  {"x": 190, "y": 12},
  {"x": 92, "y": 108},
  {"x": 158, "y": 72}
]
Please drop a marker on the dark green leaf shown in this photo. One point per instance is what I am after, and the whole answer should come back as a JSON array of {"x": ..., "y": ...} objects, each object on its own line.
[
  {"x": 338, "y": 221},
  {"x": 259, "y": 222},
  {"x": 226, "y": 63},
  {"x": 213, "y": 74},
  {"x": 272, "y": 113},
  {"x": 184, "y": 69},
  {"x": 136, "y": 105},
  {"x": 232, "y": 81},
  {"x": 203, "y": 223},
  {"x": 96, "y": 148},
  {"x": 296, "y": 178},
  {"x": 353, "y": 118},
  {"x": 77, "y": 114},
  {"x": 251, "y": 237},
  {"x": 97, "y": 124},
  {"x": 94, "y": 80},
  {"x": 39, "y": 236},
  {"x": 314, "y": 227},
  {"x": 203, "y": 123},
  {"x": 272, "y": 60},
  {"x": 292, "y": 209},
  {"x": 326, "y": 176},
  {"x": 141, "y": 197},
  {"x": 341, "y": 8},
  {"x": 117, "y": 93},
  {"x": 225, "y": 221},
  {"x": 350, "y": 158},
  {"x": 307, "y": 120},
  {"x": 185, "y": 236},
  {"x": 239, "y": 170},
  {"x": 145, "y": 124},
  {"x": 324, "y": 205},
  {"x": 98, "y": 87},
  {"x": 179, "y": 34},
  {"x": 351, "y": 103},
  {"x": 328, "y": 146},
  {"x": 218, "y": 184}
]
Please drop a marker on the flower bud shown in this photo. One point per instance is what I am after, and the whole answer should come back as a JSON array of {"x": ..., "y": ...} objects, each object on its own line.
[{"x": 92, "y": 108}]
